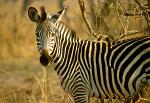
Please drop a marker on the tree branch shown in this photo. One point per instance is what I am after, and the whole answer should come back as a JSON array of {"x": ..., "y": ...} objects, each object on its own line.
[
  {"x": 145, "y": 13},
  {"x": 82, "y": 8}
]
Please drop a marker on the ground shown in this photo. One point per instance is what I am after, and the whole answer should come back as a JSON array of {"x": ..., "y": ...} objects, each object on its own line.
[{"x": 26, "y": 81}]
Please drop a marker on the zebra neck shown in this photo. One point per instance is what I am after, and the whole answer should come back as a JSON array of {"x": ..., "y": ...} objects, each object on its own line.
[
  {"x": 66, "y": 57},
  {"x": 65, "y": 50},
  {"x": 65, "y": 33}
]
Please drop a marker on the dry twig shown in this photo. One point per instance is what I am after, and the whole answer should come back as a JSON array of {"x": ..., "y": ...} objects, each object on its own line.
[
  {"x": 142, "y": 99},
  {"x": 82, "y": 8},
  {"x": 145, "y": 13},
  {"x": 127, "y": 33}
]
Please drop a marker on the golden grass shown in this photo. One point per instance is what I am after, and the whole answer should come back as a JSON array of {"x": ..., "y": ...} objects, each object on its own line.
[
  {"x": 27, "y": 82},
  {"x": 16, "y": 33}
]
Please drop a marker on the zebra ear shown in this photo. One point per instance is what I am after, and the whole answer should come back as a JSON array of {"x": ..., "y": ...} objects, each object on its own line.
[
  {"x": 33, "y": 14},
  {"x": 57, "y": 17}
]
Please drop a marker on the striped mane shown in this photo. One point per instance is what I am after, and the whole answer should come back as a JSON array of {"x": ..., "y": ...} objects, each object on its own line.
[{"x": 65, "y": 33}]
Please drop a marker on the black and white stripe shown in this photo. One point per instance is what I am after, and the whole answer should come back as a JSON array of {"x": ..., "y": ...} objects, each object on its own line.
[
  {"x": 88, "y": 68},
  {"x": 115, "y": 71}
]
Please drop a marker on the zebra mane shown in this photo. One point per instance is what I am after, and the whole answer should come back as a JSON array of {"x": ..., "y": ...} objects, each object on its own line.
[
  {"x": 69, "y": 36},
  {"x": 60, "y": 26}
]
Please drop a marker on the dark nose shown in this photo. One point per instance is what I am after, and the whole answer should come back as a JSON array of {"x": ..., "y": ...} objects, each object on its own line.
[{"x": 44, "y": 60}]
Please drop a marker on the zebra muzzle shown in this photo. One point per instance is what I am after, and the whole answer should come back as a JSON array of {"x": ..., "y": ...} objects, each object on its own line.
[
  {"x": 44, "y": 59},
  {"x": 46, "y": 53}
]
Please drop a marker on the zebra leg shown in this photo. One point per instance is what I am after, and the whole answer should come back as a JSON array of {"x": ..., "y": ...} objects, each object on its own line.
[
  {"x": 80, "y": 95},
  {"x": 81, "y": 98}
]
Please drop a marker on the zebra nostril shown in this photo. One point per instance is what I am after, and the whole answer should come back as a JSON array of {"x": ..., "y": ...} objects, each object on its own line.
[{"x": 44, "y": 60}]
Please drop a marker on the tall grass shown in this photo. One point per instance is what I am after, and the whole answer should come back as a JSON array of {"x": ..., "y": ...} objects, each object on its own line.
[
  {"x": 27, "y": 82},
  {"x": 16, "y": 33}
]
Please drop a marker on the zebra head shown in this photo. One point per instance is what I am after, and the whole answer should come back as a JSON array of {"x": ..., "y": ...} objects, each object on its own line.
[{"x": 46, "y": 32}]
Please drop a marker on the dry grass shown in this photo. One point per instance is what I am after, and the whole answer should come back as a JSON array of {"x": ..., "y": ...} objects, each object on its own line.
[
  {"x": 27, "y": 82},
  {"x": 16, "y": 33}
]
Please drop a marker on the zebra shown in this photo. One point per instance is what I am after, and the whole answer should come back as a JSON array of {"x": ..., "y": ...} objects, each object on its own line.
[{"x": 89, "y": 68}]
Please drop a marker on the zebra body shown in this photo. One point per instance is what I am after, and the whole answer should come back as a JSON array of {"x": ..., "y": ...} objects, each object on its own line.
[
  {"x": 115, "y": 71},
  {"x": 88, "y": 68}
]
